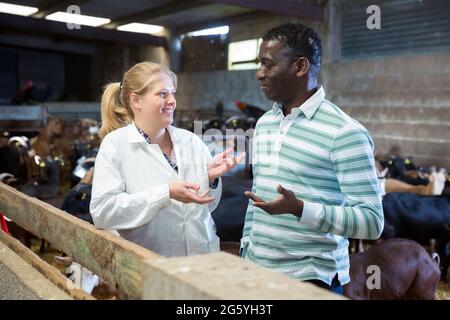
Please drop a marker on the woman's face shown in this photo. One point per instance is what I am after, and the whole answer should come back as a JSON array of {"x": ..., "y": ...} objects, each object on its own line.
[{"x": 157, "y": 106}]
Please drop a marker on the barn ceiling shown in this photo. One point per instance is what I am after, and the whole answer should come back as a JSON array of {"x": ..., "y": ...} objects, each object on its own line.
[
  {"x": 179, "y": 16},
  {"x": 173, "y": 13}
]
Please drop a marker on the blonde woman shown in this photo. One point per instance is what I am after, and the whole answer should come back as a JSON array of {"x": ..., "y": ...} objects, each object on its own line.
[{"x": 155, "y": 184}]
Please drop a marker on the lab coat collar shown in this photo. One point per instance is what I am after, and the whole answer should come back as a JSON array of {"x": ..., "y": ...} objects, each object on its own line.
[
  {"x": 133, "y": 134},
  {"x": 135, "y": 137},
  {"x": 176, "y": 136}
]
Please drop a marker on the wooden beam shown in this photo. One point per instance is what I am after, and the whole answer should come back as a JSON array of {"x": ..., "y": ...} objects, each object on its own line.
[
  {"x": 40, "y": 26},
  {"x": 18, "y": 280},
  {"x": 50, "y": 272},
  {"x": 113, "y": 258},
  {"x": 163, "y": 10},
  {"x": 225, "y": 277},
  {"x": 290, "y": 8},
  {"x": 16, "y": 39}
]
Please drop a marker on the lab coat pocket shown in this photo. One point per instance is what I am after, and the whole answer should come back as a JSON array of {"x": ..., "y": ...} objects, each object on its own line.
[
  {"x": 202, "y": 179},
  {"x": 214, "y": 245}
]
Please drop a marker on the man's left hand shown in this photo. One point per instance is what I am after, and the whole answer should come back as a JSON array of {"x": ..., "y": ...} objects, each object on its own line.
[{"x": 286, "y": 203}]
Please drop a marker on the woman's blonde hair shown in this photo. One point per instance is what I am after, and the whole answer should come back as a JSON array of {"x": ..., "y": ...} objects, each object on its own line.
[{"x": 115, "y": 106}]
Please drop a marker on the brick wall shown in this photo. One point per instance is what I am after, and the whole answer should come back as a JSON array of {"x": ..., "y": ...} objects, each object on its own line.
[{"x": 204, "y": 53}]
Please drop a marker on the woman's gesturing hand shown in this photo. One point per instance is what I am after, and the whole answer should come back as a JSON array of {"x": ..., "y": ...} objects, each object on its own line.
[
  {"x": 221, "y": 164},
  {"x": 186, "y": 192}
]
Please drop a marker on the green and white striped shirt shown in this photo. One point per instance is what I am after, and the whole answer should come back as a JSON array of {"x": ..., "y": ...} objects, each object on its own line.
[{"x": 326, "y": 158}]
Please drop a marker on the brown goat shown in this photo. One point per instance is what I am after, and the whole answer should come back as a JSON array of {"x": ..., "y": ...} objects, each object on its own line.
[{"x": 407, "y": 272}]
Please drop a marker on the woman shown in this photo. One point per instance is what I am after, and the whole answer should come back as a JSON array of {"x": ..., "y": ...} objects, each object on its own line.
[{"x": 151, "y": 180}]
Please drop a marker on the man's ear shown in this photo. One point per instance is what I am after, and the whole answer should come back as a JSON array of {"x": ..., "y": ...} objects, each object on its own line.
[{"x": 302, "y": 66}]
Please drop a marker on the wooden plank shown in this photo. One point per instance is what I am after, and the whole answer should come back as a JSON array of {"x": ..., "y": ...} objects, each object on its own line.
[
  {"x": 50, "y": 272},
  {"x": 114, "y": 259},
  {"x": 18, "y": 280},
  {"x": 21, "y": 126},
  {"x": 223, "y": 276}
]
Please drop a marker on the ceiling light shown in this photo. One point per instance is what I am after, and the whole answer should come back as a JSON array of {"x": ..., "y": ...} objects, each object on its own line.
[
  {"x": 16, "y": 9},
  {"x": 140, "y": 28},
  {"x": 77, "y": 19},
  {"x": 209, "y": 32}
]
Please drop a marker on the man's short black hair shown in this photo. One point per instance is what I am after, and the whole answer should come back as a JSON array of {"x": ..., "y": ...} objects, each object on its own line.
[{"x": 301, "y": 40}]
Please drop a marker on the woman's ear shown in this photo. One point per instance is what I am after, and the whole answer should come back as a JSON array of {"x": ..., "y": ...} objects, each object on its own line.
[
  {"x": 135, "y": 101},
  {"x": 302, "y": 66}
]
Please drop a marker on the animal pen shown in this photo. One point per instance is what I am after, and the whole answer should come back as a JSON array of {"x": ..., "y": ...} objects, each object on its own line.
[{"x": 135, "y": 271}]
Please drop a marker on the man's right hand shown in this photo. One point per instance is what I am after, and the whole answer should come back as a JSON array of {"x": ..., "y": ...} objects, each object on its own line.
[{"x": 183, "y": 191}]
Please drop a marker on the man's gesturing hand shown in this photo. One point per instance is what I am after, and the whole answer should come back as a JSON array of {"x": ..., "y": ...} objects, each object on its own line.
[{"x": 286, "y": 203}]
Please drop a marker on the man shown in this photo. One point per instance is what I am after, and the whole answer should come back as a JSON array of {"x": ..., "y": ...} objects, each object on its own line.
[{"x": 315, "y": 182}]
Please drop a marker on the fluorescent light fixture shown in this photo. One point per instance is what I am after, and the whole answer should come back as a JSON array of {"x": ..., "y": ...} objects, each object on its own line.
[
  {"x": 209, "y": 32},
  {"x": 16, "y": 9},
  {"x": 140, "y": 28},
  {"x": 77, "y": 19}
]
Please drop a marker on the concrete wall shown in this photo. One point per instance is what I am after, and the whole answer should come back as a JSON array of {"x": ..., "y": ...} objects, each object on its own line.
[
  {"x": 403, "y": 101},
  {"x": 151, "y": 53},
  {"x": 203, "y": 90},
  {"x": 111, "y": 61}
]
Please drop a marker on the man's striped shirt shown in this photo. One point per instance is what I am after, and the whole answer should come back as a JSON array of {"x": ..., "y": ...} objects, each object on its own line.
[{"x": 326, "y": 158}]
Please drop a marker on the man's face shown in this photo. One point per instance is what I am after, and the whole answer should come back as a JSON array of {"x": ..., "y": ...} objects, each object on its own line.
[{"x": 277, "y": 73}]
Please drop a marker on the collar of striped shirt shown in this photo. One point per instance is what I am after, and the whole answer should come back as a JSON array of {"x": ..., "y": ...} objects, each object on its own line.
[{"x": 309, "y": 107}]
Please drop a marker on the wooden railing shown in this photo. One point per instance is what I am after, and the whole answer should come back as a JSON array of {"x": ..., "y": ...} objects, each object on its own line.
[{"x": 139, "y": 273}]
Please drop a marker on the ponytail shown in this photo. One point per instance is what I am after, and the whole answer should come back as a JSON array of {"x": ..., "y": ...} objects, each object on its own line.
[{"x": 114, "y": 113}]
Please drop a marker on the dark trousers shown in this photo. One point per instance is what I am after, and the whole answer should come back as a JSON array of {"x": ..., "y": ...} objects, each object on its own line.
[{"x": 335, "y": 285}]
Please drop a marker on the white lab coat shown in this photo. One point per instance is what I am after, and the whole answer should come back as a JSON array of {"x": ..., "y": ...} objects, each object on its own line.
[{"x": 130, "y": 193}]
